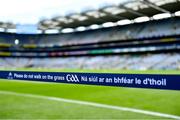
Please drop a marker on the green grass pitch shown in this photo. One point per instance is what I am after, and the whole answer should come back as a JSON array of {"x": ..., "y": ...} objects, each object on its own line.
[{"x": 17, "y": 107}]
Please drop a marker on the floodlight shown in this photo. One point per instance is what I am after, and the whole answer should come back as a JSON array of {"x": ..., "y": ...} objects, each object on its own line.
[
  {"x": 81, "y": 28},
  {"x": 141, "y": 19},
  {"x": 94, "y": 26},
  {"x": 67, "y": 30},
  {"x": 177, "y": 13},
  {"x": 108, "y": 24},
  {"x": 52, "y": 31},
  {"x": 161, "y": 16},
  {"x": 16, "y": 41},
  {"x": 11, "y": 30},
  {"x": 124, "y": 22}
]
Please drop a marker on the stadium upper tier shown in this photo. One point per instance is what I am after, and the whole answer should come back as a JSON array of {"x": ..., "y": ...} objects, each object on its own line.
[
  {"x": 154, "y": 36},
  {"x": 158, "y": 28}
]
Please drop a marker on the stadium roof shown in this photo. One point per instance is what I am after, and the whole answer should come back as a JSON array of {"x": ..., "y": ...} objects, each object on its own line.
[
  {"x": 134, "y": 10},
  {"x": 117, "y": 12}
]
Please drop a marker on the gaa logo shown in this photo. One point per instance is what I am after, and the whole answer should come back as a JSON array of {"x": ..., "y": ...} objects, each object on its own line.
[
  {"x": 10, "y": 76},
  {"x": 72, "y": 78}
]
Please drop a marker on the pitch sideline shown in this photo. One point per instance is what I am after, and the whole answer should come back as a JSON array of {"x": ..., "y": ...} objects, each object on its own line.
[{"x": 92, "y": 104}]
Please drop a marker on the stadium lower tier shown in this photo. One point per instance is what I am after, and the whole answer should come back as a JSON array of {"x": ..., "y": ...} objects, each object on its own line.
[{"x": 164, "y": 61}]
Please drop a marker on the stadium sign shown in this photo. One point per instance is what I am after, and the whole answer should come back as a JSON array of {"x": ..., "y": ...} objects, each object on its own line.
[{"x": 171, "y": 82}]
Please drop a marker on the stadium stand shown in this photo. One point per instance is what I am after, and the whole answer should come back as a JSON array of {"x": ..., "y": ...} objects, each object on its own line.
[
  {"x": 130, "y": 39},
  {"x": 159, "y": 28},
  {"x": 136, "y": 62},
  {"x": 153, "y": 44}
]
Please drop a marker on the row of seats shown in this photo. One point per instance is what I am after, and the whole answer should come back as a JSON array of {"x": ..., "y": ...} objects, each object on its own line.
[{"x": 135, "y": 62}]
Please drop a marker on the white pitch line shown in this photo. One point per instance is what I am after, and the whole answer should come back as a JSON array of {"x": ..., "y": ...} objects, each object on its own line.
[{"x": 92, "y": 104}]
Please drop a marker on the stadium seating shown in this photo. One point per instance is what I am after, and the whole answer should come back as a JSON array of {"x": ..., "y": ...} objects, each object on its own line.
[
  {"x": 137, "y": 62},
  {"x": 137, "y": 31}
]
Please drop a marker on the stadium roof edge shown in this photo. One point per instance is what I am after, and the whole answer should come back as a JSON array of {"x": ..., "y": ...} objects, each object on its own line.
[
  {"x": 113, "y": 13},
  {"x": 109, "y": 13}
]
